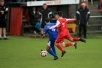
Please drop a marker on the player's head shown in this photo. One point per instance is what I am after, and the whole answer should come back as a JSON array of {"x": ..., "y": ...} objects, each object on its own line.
[
  {"x": 34, "y": 8},
  {"x": 83, "y": 5},
  {"x": 58, "y": 14},
  {"x": 44, "y": 6},
  {"x": 2, "y": 2},
  {"x": 47, "y": 20}
]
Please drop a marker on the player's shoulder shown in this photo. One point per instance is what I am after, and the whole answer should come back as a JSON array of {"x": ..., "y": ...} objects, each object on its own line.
[
  {"x": 62, "y": 19},
  {"x": 49, "y": 9},
  {"x": 50, "y": 24}
]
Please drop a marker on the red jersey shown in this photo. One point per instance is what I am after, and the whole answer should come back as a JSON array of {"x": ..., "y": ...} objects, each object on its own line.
[
  {"x": 61, "y": 25},
  {"x": 62, "y": 29}
]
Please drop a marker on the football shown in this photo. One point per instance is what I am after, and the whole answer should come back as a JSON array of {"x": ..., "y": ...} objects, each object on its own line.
[{"x": 43, "y": 53}]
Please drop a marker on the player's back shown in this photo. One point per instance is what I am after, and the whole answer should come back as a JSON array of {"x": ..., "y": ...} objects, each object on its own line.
[
  {"x": 53, "y": 33},
  {"x": 62, "y": 29}
]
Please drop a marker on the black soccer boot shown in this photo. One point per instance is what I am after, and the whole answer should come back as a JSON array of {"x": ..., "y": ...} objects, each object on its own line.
[
  {"x": 82, "y": 40},
  {"x": 75, "y": 45},
  {"x": 6, "y": 38},
  {"x": 55, "y": 58},
  {"x": 63, "y": 53},
  {"x": 0, "y": 38}
]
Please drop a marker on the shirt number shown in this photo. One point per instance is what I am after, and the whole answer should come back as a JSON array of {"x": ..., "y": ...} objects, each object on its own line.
[
  {"x": 53, "y": 29},
  {"x": 63, "y": 24}
]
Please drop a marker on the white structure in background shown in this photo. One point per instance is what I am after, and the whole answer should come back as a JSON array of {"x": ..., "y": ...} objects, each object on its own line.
[{"x": 56, "y": 2}]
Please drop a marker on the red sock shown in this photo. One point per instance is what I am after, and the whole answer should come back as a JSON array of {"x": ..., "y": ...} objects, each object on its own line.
[
  {"x": 69, "y": 44},
  {"x": 76, "y": 39},
  {"x": 60, "y": 47}
]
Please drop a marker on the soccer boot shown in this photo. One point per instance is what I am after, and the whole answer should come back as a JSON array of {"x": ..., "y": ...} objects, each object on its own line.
[
  {"x": 55, "y": 58},
  {"x": 75, "y": 45},
  {"x": 6, "y": 38},
  {"x": 0, "y": 38},
  {"x": 63, "y": 53},
  {"x": 82, "y": 40}
]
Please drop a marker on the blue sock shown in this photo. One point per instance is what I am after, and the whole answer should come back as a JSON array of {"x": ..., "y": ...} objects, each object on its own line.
[
  {"x": 54, "y": 50},
  {"x": 51, "y": 52}
]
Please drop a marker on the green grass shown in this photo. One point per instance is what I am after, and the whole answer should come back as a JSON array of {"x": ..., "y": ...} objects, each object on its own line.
[{"x": 23, "y": 52}]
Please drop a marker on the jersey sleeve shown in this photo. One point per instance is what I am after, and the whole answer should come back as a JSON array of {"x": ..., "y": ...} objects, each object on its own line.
[
  {"x": 55, "y": 26},
  {"x": 78, "y": 14},
  {"x": 70, "y": 20},
  {"x": 50, "y": 13},
  {"x": 88, "y": 15},
  {"x": 45, "y": 29}
]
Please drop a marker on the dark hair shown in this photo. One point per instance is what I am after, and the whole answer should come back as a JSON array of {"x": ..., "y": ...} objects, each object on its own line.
[
  {"x": 53, "y": 19},
  {"x": 47, "y": 20},
  {"x": 59, "y": 13},
  {"x": 1, "y": 0},
  {"x": 44, "y": 4}
]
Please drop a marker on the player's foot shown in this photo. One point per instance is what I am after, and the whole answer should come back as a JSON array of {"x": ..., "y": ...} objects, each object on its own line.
[
  {"x": 41, "y": 35},
  {"x": 0, "y": 38},
  {"x": 55, "y": 58},
  {"x": 82, "y": 40},
  {"x": 63, "y": 53},
  {"x": 5, "y": 38},
  {"x": 75, "y": 45}
]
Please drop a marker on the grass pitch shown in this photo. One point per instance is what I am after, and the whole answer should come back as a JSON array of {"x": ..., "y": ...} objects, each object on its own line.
[{"x": 23, "y": 52}]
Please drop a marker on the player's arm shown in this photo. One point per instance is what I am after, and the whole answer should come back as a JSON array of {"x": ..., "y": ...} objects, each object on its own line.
[
  {"x": 6, "y": 10},
  {"x": 70, "y": 20},
  {"x": 88, "y": 13},
  {"x": 45, "y": 32},
  {"x": 43, "y": 36},
  {"x": 55, "y": 26},
  {"x": 49, "y": 13},
  {"x": 78, "y": 14}
]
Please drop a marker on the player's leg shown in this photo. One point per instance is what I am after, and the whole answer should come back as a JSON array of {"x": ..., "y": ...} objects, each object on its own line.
[
  {"x": 80, "y": 30},
  {"x": 48, "y": 48},
  {"x": 63, "y": 44},
  {"x": 69, "y": 37},
  {"x": 0, "y": 33},
  {"x": 71, "y": 44},
  {"x": 0, "y": 30},
  {"x": 60, "y": 39},
  {"x": 4, "y": 30},
  {"x": 53, "y": 49},
  {"x": 84, "y": 30},
  {"x": 57, "y": 44},
  {"x": 4, "y": 33},
  {"x": 42, "y": 29}
]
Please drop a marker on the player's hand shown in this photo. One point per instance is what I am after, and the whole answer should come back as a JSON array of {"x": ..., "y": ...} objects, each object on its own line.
[
  {"x": 48, "y": 27},
  {"x": 2, "y": 12},
  {"x": 75, "y": 19},
  {"x": 42, "y": 36}
]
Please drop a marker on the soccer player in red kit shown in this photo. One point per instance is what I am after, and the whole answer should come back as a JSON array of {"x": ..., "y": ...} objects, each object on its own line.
[{"x": 63, "y": 33}]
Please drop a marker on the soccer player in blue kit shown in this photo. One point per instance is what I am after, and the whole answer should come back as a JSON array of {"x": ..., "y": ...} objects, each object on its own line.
[{"x": 53, "y": 33}]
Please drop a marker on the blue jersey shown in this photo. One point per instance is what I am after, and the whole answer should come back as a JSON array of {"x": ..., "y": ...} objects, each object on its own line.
[{"x": 53, "y": 33}]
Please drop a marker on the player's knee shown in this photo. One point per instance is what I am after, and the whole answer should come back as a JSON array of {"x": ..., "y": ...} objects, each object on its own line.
[
  {"x": 48, "y": 48},
  {"x": 71, "y": 40},
  {"x": 56, "y": 43},
  {"x": 63, "y": 46}
]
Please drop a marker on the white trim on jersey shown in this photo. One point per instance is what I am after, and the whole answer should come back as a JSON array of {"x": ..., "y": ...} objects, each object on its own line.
[
  {"x": 49, "y": 14},
  {"x": 41, "y": 17},
  {"x": 88, "y": 12},
  {"x": 55, "y": 25},
  {"x": 78, "y": 12}
]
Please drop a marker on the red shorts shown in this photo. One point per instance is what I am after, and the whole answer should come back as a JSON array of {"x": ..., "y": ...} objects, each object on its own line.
[{"x": 61, "y": 38}]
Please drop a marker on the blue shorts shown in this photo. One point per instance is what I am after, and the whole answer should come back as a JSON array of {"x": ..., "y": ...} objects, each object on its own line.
[{"x": 50, "y": 43}]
